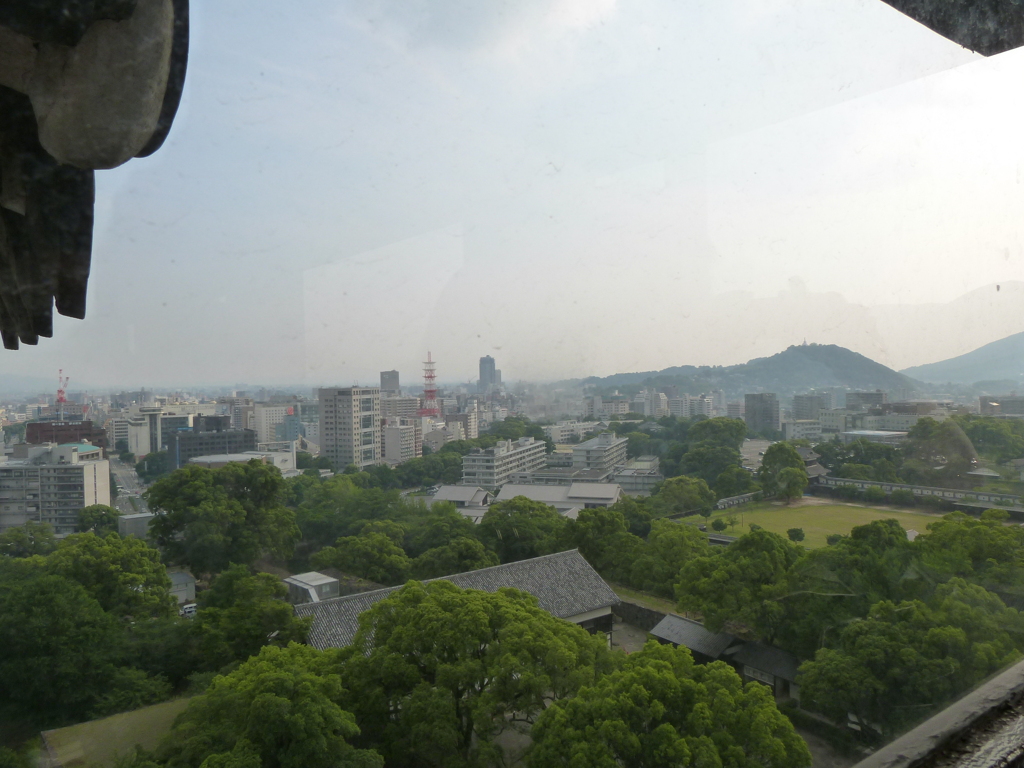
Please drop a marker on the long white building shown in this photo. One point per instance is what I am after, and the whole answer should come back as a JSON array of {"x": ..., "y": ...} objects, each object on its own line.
[{"x": 491, "y": 467}]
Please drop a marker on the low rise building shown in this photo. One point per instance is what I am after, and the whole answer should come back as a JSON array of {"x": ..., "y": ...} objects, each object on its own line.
[
  {"x": 873, "y": 436},
  {"x": 565, "y": 585},
  {"x": 567, "y": 499},
  {"x": 802, "y": 429},
  {"x": 183, "y": 446},
  {"x": 564, "y": 431},
  {"x": 491, "y": 467},
  {"x": 604, "y": 452},
  {"x": 280, "y": 459}
]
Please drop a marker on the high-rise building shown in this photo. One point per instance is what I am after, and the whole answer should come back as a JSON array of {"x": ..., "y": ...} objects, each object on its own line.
[
  {"x": 399, "y": 407},
  {"x": 761, "y": 412},
  {"x": 389, "y": 383},
  {"x": 488, "y": 375},
  {"x": 266, "y": 418},
  {"x": 350, "y": 426}
]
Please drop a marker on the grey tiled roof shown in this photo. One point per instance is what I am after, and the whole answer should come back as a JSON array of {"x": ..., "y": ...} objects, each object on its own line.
[
  {"x": 768, "y": 658},
  {"x": 693, "y": 635},
  {"x": 564, "y": 584}
]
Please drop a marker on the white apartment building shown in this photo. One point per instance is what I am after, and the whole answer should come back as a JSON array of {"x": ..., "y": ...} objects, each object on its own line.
[
  {"x": 600, "y": 408},
  {"x": 266, "y": 418},
  {"x": 688, "y": 406},
  {"x": 604, "y": 452},
  {"x": 802, "y": 429},
  {"x": 398, "y": 442},
  {"x": 491, "y": 467},
  {"x": 651, "y": 403},
  {"x": 350, "y": 426},
  {"x": 51, "y": 484},
  {"x": 395, "y": 407},
  {"x": 835, "y": 420}
]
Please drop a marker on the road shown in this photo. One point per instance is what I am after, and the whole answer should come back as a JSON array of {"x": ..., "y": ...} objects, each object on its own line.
[{"x": 129, "y": 488}]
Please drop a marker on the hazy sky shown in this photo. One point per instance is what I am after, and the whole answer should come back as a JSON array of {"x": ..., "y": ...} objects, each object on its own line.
[{"x": 573, "y": 186}]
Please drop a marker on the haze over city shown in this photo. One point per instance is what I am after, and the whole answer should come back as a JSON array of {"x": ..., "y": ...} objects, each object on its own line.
[{"x": 578, "y": 188}]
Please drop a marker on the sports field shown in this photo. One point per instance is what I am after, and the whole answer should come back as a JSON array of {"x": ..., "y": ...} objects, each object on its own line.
[{"x": 817, "y": 519}]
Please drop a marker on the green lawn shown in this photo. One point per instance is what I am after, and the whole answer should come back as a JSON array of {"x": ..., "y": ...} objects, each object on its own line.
[
  {"x": 817, "y": 520},
  {"x": 99, "y": 742},
  {"x": 646, "y": 599}
]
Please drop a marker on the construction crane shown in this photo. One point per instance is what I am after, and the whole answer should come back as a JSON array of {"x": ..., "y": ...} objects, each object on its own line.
[{"x": 62, "y": 388}]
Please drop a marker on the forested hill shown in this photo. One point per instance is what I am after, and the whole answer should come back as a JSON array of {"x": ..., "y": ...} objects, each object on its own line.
[
  {"x": 797, "y": 369},
  {"x": 1002, "y": 359}
]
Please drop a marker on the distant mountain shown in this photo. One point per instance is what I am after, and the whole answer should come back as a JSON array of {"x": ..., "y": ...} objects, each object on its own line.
[
  {"x": 1002, "y": 359},
  {"x": 797, "y": 369}
]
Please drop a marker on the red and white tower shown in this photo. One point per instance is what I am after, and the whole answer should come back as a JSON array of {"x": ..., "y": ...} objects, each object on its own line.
[
  {"x": 430, "y": 407},
  {"x": 62, "y": 388}
]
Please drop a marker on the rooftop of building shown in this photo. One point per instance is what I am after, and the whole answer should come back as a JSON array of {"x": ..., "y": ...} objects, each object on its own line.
[{"x": 564, "y": 584}]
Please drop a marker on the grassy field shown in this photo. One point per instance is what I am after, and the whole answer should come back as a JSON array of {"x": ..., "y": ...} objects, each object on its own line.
[
  {"x": 645, "y": 599},
  {"x": 817, "y": 520},
  {"x": 98, "y": 742}
]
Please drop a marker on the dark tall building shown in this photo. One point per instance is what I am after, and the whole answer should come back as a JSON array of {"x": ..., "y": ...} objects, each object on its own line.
[
  {"x": 488, "y": 374},
  {"x": 761, "y": 412},
  {"x": 38, "y": 432},
  {"x": 389, "y": 382},
  {"x": 861, "y": 401},
  {"x": 185, "y": 445}
]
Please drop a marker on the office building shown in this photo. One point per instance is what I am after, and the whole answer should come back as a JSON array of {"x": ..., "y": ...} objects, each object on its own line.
[
  {"x": 761, "y": 412},
  {"x": 564, "y": 431},
  {"x": 835, "y": 420},
  {"x": 266, "y": 418},
  {"x": 350, "y": 426},
  {"x": 488, "y": 374},
  {"x": 1001, "y": 405},
  {"x": 491, "y": 467},
  {"x": 802, "y": 429},
  {"x": 185, "y": 445},
  {"x": 874, "y": 436},
  {"x": 861, "y": 401},
  {"x": 734, "y": 410},
  {"x": 389, "y": 383},
  {"x": 51, "y": 484},
  {"x": 398, "y": 442},
  {"x": 399, "y": 407},
  {"x": 603, "y": 452}
]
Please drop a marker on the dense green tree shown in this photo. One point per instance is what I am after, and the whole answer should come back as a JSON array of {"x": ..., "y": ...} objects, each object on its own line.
[
  {"x": 905, "y": 659},
  {"x": 370, "y": 555},
  {"x": 280, "y": 709},
  {"x": 125, "y": 576},
  {"x": 681, "y": 495},
  {"x": 153, "y": 465},
  {"x": 435, "y": 672},
  {"x": 98, "y": 518},
  {"x": 213, "y": 518},
  {"x": 519, "y": 528},
  {"x": 719, "y": 524},
  {"x": 738, "y": 585},
  {"x": 660, "y": 710},
  {"x": 240, "y": 613},
  {"x": 306, "y": 460},
  {"x": 795, "y": 534},
  {"x": 461, "y": 555},
  {"x": 603, "y": 539},
  {"x": 436, "y": 526},
  {"x": 778, "y": 457},
  {"x": 636, "y": 513},
  {"x": 791, "y": 483},
  {"x": 708, "y": 461},
  {"x": 734, "y": 481},
  {"x": 59, "y": 646},
  {"x": 852, "y": 471},
  {"x": 720, "y": 431},
  {"x": 27, "y": 540},
  {"x": 670, "y": 546}
]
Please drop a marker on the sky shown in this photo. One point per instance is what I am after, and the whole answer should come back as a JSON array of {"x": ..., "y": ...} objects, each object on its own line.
[{"x": 574, "y": 187}]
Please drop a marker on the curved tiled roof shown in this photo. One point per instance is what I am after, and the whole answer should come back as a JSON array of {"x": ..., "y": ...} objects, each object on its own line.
[{"x": 564, "y": 584}]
